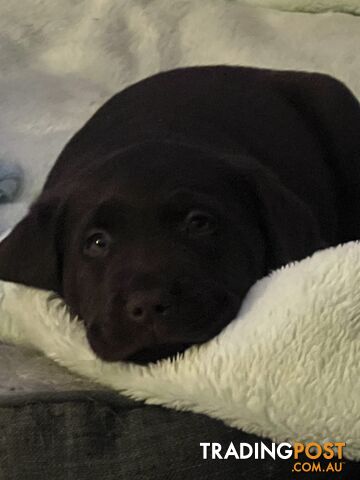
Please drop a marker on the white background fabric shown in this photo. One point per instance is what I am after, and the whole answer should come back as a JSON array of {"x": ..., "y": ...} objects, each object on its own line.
[{"x": 59, "y": 61}]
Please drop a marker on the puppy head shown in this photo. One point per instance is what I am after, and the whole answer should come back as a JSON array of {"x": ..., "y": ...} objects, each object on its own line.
[{"x": 155, "y": 247}]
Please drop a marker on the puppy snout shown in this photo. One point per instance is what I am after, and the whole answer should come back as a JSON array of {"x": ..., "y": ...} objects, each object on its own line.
[{"x": 142, "y": 306}]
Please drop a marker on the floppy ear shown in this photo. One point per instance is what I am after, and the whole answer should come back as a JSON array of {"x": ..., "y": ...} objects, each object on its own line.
[
  {"x": 333, "y": 114},
  {"x": 31, "y": 253},
  {"x": 288, "y": 225}
]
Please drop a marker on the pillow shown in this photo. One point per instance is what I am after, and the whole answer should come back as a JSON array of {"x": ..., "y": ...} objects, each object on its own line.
[{"x": 288, "y": 367}]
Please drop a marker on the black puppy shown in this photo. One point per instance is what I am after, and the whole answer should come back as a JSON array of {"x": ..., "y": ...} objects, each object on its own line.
[{"x": 181, "y": 192}]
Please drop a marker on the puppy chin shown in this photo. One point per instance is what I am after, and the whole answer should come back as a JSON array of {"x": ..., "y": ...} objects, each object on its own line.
[
  {"x": 149, "y": 350},
  {"x": 158, "y": 340},
  {"x": 106, "y": 351},
  {"x": 157, "y": 353},
  {"x": 113, "y": 349}
]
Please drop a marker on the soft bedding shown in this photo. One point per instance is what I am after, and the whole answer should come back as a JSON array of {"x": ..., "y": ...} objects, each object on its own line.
[{"x": 287, "y": 368}]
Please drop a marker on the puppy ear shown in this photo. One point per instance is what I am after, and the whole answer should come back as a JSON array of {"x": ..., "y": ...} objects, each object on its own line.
[
  {"x": 333, "y": 114},
  {"x": 289, "y": 227},
  {"x": 31, "y": 253}
]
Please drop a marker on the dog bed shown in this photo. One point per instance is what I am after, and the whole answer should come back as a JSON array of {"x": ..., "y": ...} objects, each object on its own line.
[{"x": 288, "y": 367}]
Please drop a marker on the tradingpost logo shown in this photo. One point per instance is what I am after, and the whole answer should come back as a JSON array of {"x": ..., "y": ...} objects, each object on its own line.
[{"x": 306, "y": 457}]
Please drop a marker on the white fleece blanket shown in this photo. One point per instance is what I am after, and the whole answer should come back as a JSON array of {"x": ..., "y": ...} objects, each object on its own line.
[
  {"x": 287, "y": 368},
  {"x": 60, "y": 60}
]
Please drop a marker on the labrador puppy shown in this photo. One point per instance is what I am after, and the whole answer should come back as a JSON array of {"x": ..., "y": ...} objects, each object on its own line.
[{"x": 182, "y": 191}]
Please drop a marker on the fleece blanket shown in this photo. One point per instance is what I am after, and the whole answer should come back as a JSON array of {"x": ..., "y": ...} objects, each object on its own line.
[
  {"x": 288, "y": 367},
  {"x": 61, "y": 60}
]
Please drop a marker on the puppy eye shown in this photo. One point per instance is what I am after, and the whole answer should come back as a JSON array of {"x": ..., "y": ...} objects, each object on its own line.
[
  {"x": 97, "y": 244},
  {"x": 199, "y": 223}
]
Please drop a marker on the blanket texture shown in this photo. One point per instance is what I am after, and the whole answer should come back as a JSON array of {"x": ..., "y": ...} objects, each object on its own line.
[
  {"x": 61, "y": 60},
  {"x": 10, "y": 181},
  {"x": 287, "y": 368}
]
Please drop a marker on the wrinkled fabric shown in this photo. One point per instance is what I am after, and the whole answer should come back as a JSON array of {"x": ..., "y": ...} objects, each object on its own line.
[
  {"x": 61, "y": 60},
  {"x": 10, "y": 181}
]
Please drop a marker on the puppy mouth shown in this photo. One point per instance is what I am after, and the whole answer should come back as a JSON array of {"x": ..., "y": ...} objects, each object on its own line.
[
  {"x": 151, "y": 349},
  {"x": 157, "y": 353},
  {"x": 149, "y": 352},
  {"x": 157, "y": 340}
]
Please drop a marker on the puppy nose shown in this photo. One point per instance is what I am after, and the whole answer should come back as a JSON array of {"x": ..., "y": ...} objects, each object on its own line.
[{"x": 144, "y": 305}]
